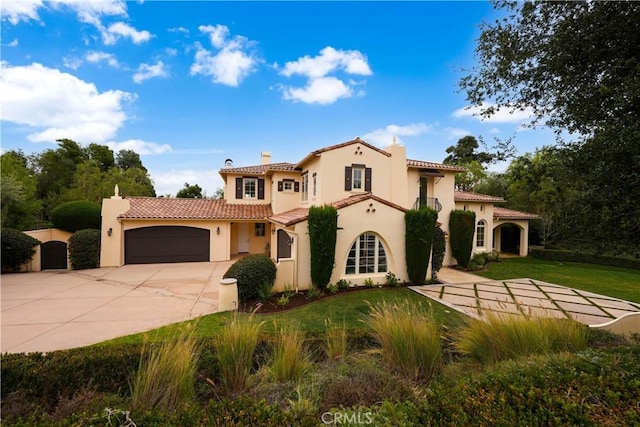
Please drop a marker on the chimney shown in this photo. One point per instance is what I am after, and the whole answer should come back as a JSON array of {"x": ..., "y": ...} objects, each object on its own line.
[{"x": 266, "y": 157}]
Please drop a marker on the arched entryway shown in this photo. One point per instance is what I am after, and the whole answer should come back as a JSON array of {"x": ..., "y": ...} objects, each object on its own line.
[
  {"x": 511, "y": 237},
  {"x": 53, "y": 255}
]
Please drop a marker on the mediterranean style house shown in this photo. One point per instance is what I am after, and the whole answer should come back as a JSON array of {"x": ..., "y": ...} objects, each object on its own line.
[{"x": 265, "y": 210}]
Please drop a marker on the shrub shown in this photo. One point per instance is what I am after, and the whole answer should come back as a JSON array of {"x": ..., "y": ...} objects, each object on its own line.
[
  {"x": 462, "y": 226},
  {"x": 235, "y": 346},
  {"x": 477, "y": 262},
  {"x": 343, "y": 284},
  {"x": 391, "y": 280},
  {"x": 333, "y": 288},
  {"x": 419, "y": 228},
  {"x": 166, "y": 376},
  {"x": 323, "y": 233},
  {"x": 84, "y": 249},
  {"x": 502, "y": 336},
  {"x": 438, "y": 250},
  {"x": 78, "y": 215},
  {"x": 265, "y": 291},
  {"x": 588, "y": 258},
  {"x": 289, "y": 360},
  {"x": 409, "y": 338},
  {"x": 252, "y": 271},
  {"x": 17, "y": 248}
]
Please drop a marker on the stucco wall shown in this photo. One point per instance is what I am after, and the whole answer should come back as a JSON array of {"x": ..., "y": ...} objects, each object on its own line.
[
  {"x": 44, "y": 236},
  {"x": 282, "y": 201},
  {"x": 483, "y": 211},
  {"x": 230, "y": 190}
]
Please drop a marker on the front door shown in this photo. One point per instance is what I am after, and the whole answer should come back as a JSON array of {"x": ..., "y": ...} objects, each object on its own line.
[
  {"x": 284, "y": 245},
  {"x": 424, "y": 193},
  {"x": 243, "y": 238}
]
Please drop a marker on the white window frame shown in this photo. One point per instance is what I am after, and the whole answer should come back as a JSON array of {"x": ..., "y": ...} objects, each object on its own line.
[
  {"x": 359, "y": 253},
  {"x": 360, "y": 180},
  {"x": 315, "y": 184},
  {"x": 287, "y": 186},
  {"x": 305, "y": 187},
  {"x": 247, "y": 181},
  {"x": 481, "y": 234}
]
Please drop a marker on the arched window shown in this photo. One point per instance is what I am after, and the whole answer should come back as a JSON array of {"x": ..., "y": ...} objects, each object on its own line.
[
  {"x": 480, "y": 233},
  {"x": 367, "y": 255}
]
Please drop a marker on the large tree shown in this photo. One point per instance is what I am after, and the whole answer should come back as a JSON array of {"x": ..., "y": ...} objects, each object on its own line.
[
  {"x": 19, "y": 203},
  {"x": 465, "y": 153},
  {"x": 575, "y": 65},
  {"x": 190, "y": 192}
]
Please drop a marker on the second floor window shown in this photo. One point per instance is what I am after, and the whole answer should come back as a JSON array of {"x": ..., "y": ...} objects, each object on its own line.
[
  {"x": 315, "y": 182},
  {"x": 305, "y": 187},
  {"x": 250, "y": 188},
  {"x": 288, "y": 185},
  {"x": 357, "y": 178}
]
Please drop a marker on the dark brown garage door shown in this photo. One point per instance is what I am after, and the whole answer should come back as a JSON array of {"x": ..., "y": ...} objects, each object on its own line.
[{"x": 160, "y": 244}]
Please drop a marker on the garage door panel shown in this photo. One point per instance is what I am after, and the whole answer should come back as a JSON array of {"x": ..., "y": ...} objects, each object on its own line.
[{"x": 164, "y": 244}]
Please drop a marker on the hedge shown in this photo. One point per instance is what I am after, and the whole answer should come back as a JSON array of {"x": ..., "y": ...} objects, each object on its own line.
[
  {"x": 323, "y": 233},
  {"x": 439, "y": 249},
  {"x": 419, "y": 229},
  {"x": 576, "y": 256},
  {"x": 251, "y": 272},
  {"x": 84, "y": 249},
  {"x": 462, "y": 227},
  {"x": 77, "y": 215},
  {"x": 17, "y": 248}
]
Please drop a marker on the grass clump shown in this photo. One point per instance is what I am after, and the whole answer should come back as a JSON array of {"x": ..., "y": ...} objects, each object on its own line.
[
  {"x": 336, "y": 340},
  {"x": 235, "y": 346},
  {"x": 409, "y": 337},
  {"x": 503, "y": 336},
  {"x": 166, "y": 374},
  {"x": 289, "y": 359}
]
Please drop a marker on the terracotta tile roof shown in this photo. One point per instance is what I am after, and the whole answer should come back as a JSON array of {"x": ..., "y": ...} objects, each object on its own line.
[
  {"x": 431, "y": 165},
  {"x": 464, "y": 196},
  {"x": 259, "y": 169},
  {"x": 336, "y": 146},
  {"x": 291, "y": 217},
  {"x": 170, "y": 208},
  {"x": 503, "y": 213},
  {"x": 297, "y": 215}
]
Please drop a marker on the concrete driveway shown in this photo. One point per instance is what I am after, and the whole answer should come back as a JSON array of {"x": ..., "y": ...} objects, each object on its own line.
[{"x": 55, "y": 310}]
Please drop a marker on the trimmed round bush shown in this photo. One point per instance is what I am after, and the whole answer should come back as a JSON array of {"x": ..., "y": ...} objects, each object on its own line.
[
  {"x": 84, "y": 249},
  {"x": 17, "y": 248},
  {"x": 251, "y": 271},
  {"x": 78, "y": 215}
]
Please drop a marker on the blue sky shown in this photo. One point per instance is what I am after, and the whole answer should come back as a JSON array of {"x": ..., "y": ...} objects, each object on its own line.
[{"x": 189, "y": 84}]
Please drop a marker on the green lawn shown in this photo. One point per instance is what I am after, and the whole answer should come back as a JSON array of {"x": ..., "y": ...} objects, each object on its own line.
[
  {"x": 601, "y": 279},
  {"x": 350, "y": 308}
]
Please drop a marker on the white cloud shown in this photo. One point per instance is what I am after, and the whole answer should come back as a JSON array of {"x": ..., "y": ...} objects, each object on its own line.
[
  {"x": 329, "y": 60},
  {"x": 95, "y": 57},
  {"x": 15, "y": 11},
  {"x": 59, "y": 105},
  {"x": 139, "y": 146},
  {"x": 73, "y": 63},
  {"x": 455, "y": 133},
  {"x": 231, "y": 64},
  {"x": 147, "y": 71},
  {"x": 120, "y": 29},
  {"x": 322, "y": 88},
  {"x": 14, "y": 43},
  {"x": 178, "y": 30},
  {"x": 385, "y": 136},
  {"x": 494, "y": 130},
  {"x": 171, "y": 51},
  {"x": 501, "y": 116},
  {"x": 217, "y": 34},
  {"x": 169, "y": 182}
]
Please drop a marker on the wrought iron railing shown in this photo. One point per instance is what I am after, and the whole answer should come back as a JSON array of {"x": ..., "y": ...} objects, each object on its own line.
[{"x": 431, "y": 202}]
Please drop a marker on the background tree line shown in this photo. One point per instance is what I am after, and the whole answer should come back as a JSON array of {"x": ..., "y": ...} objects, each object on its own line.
[
  {"x": 34, "y": 185},
  {"x": 576, "y": 65}
]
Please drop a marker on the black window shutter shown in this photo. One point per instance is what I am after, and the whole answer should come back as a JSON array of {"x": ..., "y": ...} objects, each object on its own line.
[
  {"x": 296, "y": 187},
  {"x": 280, "y": 186},
  {"x": 367, "y": 179},
  {"x": 347, "y": 178},
  {"x": 260, "y": 188},
  {"x": 238, "y": 188}
]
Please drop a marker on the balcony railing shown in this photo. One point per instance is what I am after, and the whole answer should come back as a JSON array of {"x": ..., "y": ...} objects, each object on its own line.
[{"x": 431, "y": 202}]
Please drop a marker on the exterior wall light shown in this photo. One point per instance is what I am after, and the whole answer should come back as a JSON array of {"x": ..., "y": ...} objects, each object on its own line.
[
  {"x": 109, "y": 231},
  {"x": 218, "y": 231}
]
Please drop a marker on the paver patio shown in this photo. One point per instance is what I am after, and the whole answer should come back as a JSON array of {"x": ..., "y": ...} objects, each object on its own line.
[{"x": 527, "y": 296}]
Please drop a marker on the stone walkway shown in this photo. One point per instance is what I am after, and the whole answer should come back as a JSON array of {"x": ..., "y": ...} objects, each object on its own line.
[{"x": 474, "y": 295}]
